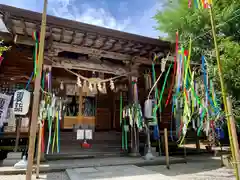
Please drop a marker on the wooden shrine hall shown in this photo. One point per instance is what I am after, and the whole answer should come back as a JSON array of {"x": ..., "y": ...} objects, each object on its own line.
[{"x": 87, "y": 50}]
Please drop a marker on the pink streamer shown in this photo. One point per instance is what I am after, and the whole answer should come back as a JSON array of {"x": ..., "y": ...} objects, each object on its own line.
[{"x": 1, "y": 60}]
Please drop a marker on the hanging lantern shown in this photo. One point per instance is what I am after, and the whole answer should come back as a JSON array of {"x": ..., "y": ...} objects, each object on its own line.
[
  {"x": 112, "y": 85},
  {"x": 79, "y": 83},
  {"x": 61, "y": 85}
]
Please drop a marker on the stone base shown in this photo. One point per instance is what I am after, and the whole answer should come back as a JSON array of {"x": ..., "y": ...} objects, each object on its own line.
[
  {"x": 12, "y": 158},
  {"x": 227, "y": 161},
  {"x": 134, "y": 154}
]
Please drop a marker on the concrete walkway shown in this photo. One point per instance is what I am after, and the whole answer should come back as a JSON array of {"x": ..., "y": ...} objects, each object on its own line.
[
  {"x": 127, "y": 172},
  {"x": 62, "y": 165}
]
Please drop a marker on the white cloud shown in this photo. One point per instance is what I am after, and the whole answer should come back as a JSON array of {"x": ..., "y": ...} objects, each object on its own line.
[
  {"x": 145, "y": 24},
  {"x": 90, "y": 15},
  {"x": 142, "y": 25}
]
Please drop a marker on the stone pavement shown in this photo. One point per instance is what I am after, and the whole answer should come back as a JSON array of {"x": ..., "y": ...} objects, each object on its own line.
[
  {"x": 127, "y": 172},
  {"x": 200, "y": 168},
  {"x": 62, "y": 165}
]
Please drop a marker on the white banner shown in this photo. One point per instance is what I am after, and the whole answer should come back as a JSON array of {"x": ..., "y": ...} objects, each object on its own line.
[
  {"x": 21, "y": 102},
  {"x": 4, "y": 103}
]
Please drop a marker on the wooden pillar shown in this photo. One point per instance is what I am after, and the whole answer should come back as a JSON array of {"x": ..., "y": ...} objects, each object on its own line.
[
  {"x": 130, "y": 101},
  {"x": 114, "y": 110},
  {"x": 80, "y": 102},
  {"x": 37, "y": 86},
  {"x": 133, "y": 98}
]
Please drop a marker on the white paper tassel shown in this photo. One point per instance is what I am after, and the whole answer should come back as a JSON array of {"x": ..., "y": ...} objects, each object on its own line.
[
  {"x": 90, "y": 87},
  {"x": 112, "y": 85},
  {"x": 194, "y": 124},
  {"x": 94, "y": 91},
  {"x": 61, "y": 85},
  {"x": 104, "y": 88},
  {"x": 100, "y": 89},
  {"x": 79, "y": 83},
  {"x": 163, "y": 65},
  {"x": 85, "y": 88}
]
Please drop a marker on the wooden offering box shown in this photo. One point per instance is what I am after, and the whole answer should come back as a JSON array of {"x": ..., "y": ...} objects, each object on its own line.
[
  {"x": 70, "y": 121},
  {"x": 86, "y": 120}
]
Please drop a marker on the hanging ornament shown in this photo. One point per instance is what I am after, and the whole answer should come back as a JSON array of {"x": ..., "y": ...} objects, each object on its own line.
[
  {"x": 100, "y": 87},
  {"x": 61, "y": 85},
  {"x": 112, "y": 85},
  {"x": 163, "y": 64},
  {"x": 85, "y": 88},
  {"x": 94, "y": 91},
  {"x": 104, "y": 88},
  {"x": 90, "y": 87},
  {"x": 79, "y": 83}
]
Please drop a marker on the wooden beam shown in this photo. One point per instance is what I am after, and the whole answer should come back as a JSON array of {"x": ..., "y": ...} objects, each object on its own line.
[
  {"x": 73, "y": 37},
  {"x": 62, "y": 34},
  {"x": 85, "y": 64},
  {"x": 24, "y": 28},
  {"x": 86, "y": 50},
  {"x": 19, "y": 39}
]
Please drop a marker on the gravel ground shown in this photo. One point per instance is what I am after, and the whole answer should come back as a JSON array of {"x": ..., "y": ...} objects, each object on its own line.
[{"x": 199, "y": 170}]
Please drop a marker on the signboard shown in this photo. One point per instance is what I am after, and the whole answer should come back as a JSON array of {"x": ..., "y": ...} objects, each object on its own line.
[
  {"x": 4, "y": 103},
  {"x": 88, "y": 134},
  {"x": 84, "y": 134},
  {"x": 21, "y": 102},
  {"x": 80, "y": 134}
]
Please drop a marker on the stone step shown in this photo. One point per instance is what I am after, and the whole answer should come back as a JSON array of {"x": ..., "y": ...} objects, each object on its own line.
[{"x": 14, "y": 155}]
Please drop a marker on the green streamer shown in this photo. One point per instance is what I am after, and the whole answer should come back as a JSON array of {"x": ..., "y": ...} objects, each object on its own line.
[
  {"x": 162, "y": 91},
  {"x": 122, "y": 124}
]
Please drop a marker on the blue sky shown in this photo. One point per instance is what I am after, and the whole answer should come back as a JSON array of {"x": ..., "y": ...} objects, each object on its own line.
[{"x": 133, "y": 16}]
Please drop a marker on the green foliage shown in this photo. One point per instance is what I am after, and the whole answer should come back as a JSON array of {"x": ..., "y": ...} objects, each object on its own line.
[
  {"x": 3, "y": 48},
  {"x": 195, "y": 23}
]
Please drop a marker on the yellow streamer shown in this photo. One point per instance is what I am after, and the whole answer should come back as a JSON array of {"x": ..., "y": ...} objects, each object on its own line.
[{"x": 210, "y": 2}]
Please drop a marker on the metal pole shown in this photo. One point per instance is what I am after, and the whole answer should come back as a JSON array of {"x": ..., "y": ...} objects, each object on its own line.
[
  {"x": 222, "y": 85},
  {"x": 36, "y": 93}
]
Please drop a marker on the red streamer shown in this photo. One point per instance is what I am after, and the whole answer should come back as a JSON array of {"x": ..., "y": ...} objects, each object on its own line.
[{"x": 43, "y": 143}]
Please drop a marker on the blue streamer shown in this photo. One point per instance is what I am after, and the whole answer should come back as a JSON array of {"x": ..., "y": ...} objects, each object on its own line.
[
  {"x": 29, "y": 81},
  {"x": 196, "y": 4},
  {"x": 206, "y": 87}
]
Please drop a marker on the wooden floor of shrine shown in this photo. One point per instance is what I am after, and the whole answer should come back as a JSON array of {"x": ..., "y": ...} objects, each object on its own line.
[{"x": 103, "y": 144}]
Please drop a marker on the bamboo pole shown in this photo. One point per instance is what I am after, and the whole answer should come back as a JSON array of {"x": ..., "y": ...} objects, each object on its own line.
[
  {"x": 222, "y": 86},
  {"x": 166, "y": 148},
  {"x": 39, "y": 150},
  {"x": 36, "y": 93},
  {"x": 234, "y": 134}
]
